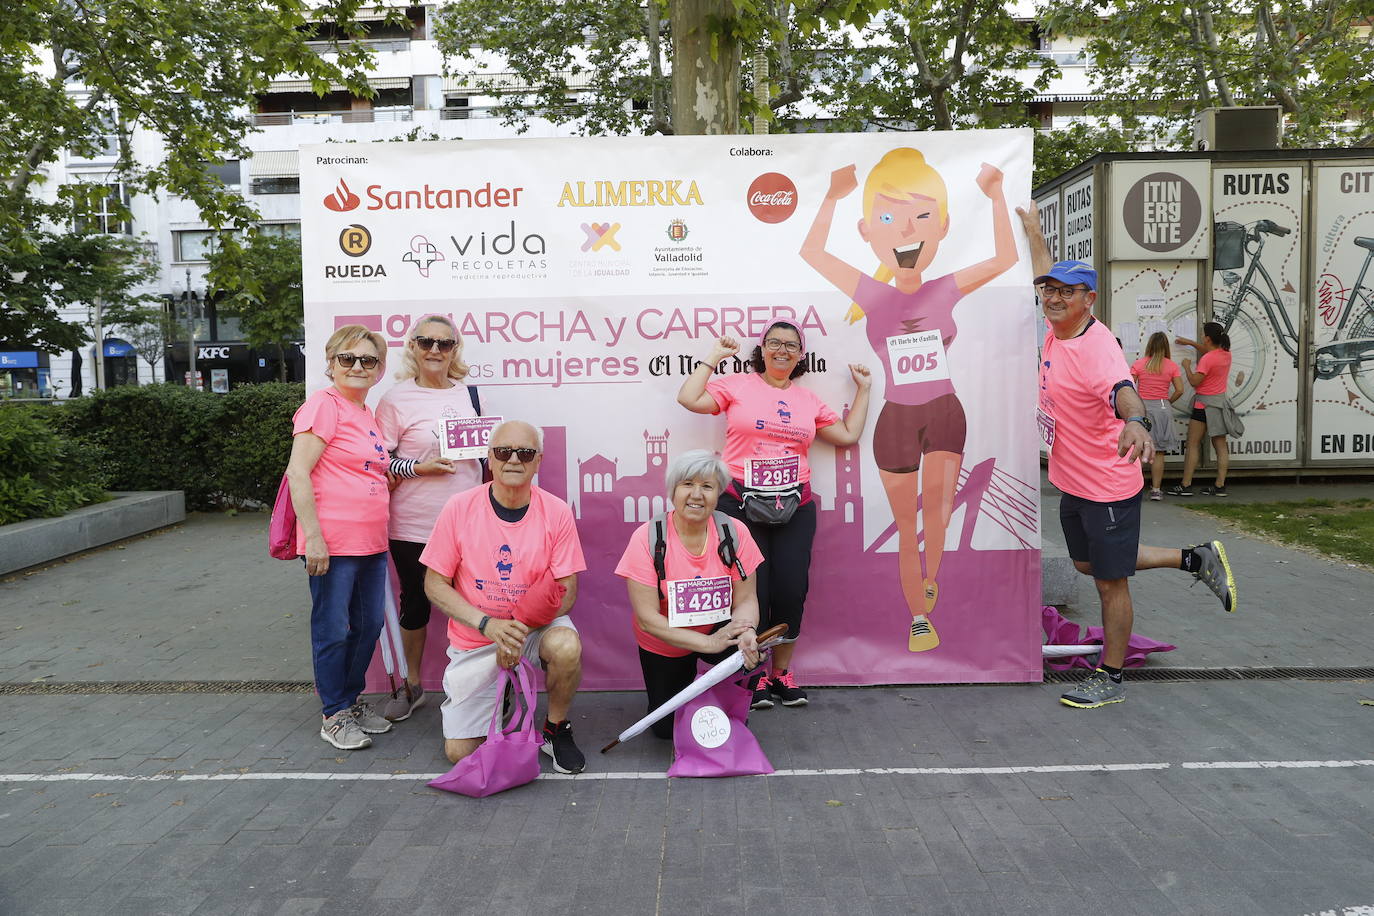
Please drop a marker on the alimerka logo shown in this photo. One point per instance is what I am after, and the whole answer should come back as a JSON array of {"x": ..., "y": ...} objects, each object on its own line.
[
  {"x": 342, "y": 200},
  {"x": 638, "y": 193}
]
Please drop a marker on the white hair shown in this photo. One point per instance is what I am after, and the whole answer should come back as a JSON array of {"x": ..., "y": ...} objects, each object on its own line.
[
  {"x": 538, "y": 432},
  {"x": 698, "y": 464}
]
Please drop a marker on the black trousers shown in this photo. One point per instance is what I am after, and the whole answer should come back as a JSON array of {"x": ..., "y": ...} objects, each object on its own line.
[{"x": 784, "y": 578}]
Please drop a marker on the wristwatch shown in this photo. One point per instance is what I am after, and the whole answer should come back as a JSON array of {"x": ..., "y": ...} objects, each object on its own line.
[{"x": 1143, "y": 421}]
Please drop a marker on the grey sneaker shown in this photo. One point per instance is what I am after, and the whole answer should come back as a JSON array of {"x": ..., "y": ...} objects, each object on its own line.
[
  {"x": 368, "y": 720},
  {"x": 1215, "y": 573},
  {"x": 341, "y": 731},
  {"x": 403, "y": 702},
  {"x": 1097, "y": 689}
]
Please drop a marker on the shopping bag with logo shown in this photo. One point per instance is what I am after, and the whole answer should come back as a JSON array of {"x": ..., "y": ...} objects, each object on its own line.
[
  {"x": 710, "y": 737},
  {"x": 510, "y": 755}
]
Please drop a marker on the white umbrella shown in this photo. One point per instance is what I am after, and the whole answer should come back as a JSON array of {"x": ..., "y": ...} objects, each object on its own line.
[
  {"x": 1066, "y": 651},
  {"x": 717, "y": 673},
  {"x": 393, "y": 651}
]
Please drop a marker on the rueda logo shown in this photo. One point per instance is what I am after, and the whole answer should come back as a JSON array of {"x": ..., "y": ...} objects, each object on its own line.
[
  {"x": 355, "y": 240},
  {"x": 422, "y": 254},
  {"x": 772, "y": 197},
  {"x": 600, "y": 235},
  {"x": 342, "y": 200}
]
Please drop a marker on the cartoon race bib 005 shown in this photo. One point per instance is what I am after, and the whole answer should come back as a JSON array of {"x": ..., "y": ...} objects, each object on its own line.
[
  {"x": 466, "y": 437},
  {"x": 918, "y": 357},
  {"x": 695, "y": 602},
  {"x": 772, "y": 473}
]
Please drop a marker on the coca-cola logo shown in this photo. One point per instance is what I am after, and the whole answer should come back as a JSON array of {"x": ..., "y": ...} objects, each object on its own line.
[
  {"x": 342, "y": 200},
  {"x": 772, "y": 197}
]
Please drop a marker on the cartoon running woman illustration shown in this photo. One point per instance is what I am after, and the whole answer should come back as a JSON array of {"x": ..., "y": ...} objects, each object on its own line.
[{"x": 910, "y": 324}]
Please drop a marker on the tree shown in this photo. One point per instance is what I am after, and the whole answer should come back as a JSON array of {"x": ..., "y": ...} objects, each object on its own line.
[
  {"x": 81, "y": 75},
  {"x": 260, "y": 282},
  {"x": 1159, "y": 61},
  {"x": 932, "y": 65},
  {"x": 59, "y": 271},
  {"x": 151, "y": 333}
]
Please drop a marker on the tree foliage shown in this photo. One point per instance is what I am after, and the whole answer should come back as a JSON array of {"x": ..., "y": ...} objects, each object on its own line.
[
  {"x": 1159, "y": 61},
  {"x": 260, "y": 282}
]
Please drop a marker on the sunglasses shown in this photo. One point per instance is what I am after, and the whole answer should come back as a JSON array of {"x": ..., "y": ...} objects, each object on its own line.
[
  {"x": 348, "y": 359},
  {"x": 428, "y": 343},
  {"x": 505, "y": 453},
  {"x": 1061, "y": 292},
  {"x": 791, "y": 346}
]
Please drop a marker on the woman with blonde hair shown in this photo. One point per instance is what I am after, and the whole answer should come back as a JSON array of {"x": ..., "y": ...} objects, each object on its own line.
[
  {"x": 910, "y": 324},
  {"x": 337, "y": 475},
  {"x": 432, "y": 388},
  {"x": 1159, "y": 382}
]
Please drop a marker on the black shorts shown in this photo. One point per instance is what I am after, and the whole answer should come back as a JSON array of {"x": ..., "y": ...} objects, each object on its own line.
[
  {"x": 1104, "y": 535},
  {"x": 1200, "y": 414},
  {"x": 905, "y": 432},
  {"x": 414, "y": 603}
]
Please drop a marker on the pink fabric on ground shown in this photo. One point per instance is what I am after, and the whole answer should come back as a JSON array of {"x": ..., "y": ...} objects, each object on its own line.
[{"x": 1061, "y": 632}]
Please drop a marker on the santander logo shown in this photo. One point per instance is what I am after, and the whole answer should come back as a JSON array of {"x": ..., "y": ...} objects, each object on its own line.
[
  {"x": 342, "y": 200},
  {"x": 772, "y": 197}
]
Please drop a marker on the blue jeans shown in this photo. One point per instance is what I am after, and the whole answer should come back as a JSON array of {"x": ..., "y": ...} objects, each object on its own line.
[{"x": 346, "y": 613}]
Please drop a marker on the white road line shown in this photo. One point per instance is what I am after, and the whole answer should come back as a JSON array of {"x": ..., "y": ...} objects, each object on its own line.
[{"x": 869, "y": 771}]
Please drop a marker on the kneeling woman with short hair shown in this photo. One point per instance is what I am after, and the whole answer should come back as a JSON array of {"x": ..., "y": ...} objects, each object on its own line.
[{"x": 707, "y": 560}]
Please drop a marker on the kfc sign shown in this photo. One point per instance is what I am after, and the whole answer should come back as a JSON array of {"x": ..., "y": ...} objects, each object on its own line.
[{"x": 212, "y": 353}]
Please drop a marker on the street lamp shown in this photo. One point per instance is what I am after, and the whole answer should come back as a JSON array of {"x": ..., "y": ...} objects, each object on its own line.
[{"x": 192, "y": 316}]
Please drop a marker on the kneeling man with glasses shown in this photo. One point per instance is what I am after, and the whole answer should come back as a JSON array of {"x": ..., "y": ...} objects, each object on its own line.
[{"x": 502, "y": 563}]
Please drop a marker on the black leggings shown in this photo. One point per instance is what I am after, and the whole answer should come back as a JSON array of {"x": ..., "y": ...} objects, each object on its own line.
[
  {"x": 413, "y": 601},
  {"x": 665, "y": 676},
  {"x": 784, "y": 577}
]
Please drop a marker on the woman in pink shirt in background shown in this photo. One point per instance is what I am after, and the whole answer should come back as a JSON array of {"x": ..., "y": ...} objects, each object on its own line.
[
  {"x": 431, "y": 389},
  {"x": 1159, "y": 383},
  {"x": 1213, "y": 370},
  {"x": 337, "y": 475}
]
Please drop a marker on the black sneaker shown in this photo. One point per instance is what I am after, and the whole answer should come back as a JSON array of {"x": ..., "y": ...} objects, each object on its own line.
[
  {"x": 1215, "y": 491},
  {"x": 762, "y": 698},
  {"x": 559, "y": 745},
  {"x": 785, "y": 688},
  {"x": 1179, "y": 490}
]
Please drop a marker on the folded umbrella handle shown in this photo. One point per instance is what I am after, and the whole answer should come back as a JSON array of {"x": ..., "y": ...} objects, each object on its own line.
[{"x": 772, "y": 636}]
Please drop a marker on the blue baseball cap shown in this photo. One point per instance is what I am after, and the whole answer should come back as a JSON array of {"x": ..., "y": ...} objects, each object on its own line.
[{"x": 1071, "y": 273}]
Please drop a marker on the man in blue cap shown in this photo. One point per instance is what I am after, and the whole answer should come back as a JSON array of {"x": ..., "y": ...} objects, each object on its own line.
[{"x": 1095, "y": 427}]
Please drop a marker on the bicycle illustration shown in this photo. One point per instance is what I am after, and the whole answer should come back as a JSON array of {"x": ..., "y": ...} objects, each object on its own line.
[{"x": 1254, "y": 300}]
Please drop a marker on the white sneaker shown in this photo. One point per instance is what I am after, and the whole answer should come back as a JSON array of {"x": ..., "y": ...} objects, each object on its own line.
[{"x": 343, "y": 732}]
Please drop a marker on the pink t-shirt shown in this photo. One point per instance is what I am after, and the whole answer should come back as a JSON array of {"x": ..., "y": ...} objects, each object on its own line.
[
  {"x": 503, "y": 568},
  {"x": 1152, "y": 386},
  {"x": 1076, "y": 381},
  {"x": 766, "y": 422},
  {"x": 408, "y": 417},
  {"x": 637, "y": 564},
  {"x": 889, "y": 313},
  {"x": 1216, "y": 365},
  {"x": 350, "y": 477}
]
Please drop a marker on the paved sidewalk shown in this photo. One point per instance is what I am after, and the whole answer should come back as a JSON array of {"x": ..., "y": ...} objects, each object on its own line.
[{"x": 1205, "y": 797}]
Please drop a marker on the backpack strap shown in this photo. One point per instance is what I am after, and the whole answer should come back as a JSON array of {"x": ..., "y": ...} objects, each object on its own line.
[
  {"x": 476, "y": 400},
  {"x": 658, "y": 547},
  {"x": 725, "y": 546}
]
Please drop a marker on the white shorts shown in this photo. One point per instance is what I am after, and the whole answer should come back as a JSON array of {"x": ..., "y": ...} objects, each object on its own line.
[{"x": 470, "y": 683}]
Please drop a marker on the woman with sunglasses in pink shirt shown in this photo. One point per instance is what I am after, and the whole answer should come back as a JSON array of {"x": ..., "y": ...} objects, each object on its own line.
[
  {"x": 337, "y": 474},
  {"x": 430, "y": 390}
]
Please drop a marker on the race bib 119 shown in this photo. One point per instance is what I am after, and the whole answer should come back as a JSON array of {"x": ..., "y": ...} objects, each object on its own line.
[{"x": 466, "y": 437}]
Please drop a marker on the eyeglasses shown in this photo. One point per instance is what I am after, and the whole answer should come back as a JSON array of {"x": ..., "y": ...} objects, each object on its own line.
[
  {"x": 791, "y": 346},
  {"x": 428, "y": 343},
  {"x": 506, "y": 453},
  {"x": 348, "y": 359},
  {"x": 1060, "y": 292}
]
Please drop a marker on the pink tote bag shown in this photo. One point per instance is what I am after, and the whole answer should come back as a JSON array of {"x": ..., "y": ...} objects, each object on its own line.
[
  {"x": 510, "y": 756},
  {"x": 711, "y": 737}
]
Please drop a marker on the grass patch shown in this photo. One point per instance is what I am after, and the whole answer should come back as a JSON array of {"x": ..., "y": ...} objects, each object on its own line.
[{"x": 1342, "y": 529}]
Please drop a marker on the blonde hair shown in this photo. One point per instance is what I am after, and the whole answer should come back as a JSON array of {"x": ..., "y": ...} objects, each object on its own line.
[
  {"x": 1157, "y": 349},
  {"x": 902, "y": 173},
  {"x": 347, "y": 336},
  {"x": 410, "y": 368}
]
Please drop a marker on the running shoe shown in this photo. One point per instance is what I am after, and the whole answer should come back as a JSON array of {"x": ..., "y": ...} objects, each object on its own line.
[
  {"x": 1214, "y": 571},
  {"x": 1156, "y": 495},
  {"x": 762, "y": 698},
  {"x": 785, "y": 688},
  {"x": 1179, "y": 490},
  {"x": 341, "y": 731},
  {"x": 368, "y": 720},
  {"x": 559, "y": 745},
  {"x": 406, "y": 699},
  {"x": 1215, "y": 491},
  {"x": 923, "y": 635},
  {"x": 1097, "y": 689}
]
